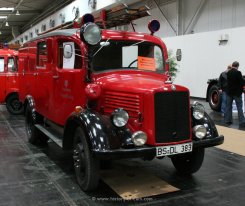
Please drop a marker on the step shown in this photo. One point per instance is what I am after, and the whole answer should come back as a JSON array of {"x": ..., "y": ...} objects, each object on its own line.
[{"x": 51, "y": 134}]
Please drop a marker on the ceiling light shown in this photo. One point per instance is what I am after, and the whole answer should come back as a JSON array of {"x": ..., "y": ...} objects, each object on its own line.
[
  {"x": 7, "y": 24},
  {"x": 17, "y": 13},
  {"x": 6, "y": 8}
]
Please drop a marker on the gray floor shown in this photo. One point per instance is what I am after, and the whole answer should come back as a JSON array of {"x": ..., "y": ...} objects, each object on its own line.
[{"x": 43, "y": 176}]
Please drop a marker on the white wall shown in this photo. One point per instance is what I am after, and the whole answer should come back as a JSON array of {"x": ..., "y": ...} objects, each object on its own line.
[
  {"x": 203, "y": 58},
  {"x": 214, "y": 15}
]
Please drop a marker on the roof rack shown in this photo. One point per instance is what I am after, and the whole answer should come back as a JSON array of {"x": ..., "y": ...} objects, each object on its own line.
[
  {"x": 9, "y": 46},
  {"x": 116, "y": 16},
  {"x": 120, "y": 15}
]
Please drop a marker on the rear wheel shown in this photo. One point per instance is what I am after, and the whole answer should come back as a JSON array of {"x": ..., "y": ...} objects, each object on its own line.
[
  {"x": 190, "y": 162},
  {"x": 86, "y": 166},
  {"x": 214, "y": 98},
  {"x": 34, "y": 135},
  {"x": 13, "y": 105}
]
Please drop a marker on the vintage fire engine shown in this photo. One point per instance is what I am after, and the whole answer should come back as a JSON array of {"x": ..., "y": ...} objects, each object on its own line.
[
  {"x": 9, "y": 80},
  {"x": 106, "y": 94}
]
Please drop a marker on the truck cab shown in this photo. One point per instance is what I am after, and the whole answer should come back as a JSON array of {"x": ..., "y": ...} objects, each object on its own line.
[
  {"x": 9, "y": 81},
  {"x": 106, "y": 94}
]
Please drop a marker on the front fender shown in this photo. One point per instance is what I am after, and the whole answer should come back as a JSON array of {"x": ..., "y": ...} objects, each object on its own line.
[
  {"x": 208, "y": 123},
  {"x": 100, "y": 132},
  {"x": 29, "y": 100}
]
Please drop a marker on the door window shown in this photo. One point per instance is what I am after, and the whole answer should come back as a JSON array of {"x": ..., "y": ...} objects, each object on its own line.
[
  {"x": 41, "y": 54},
  {"x": 74, "y": 61},
  {"x": 11, "y": 65},
  {"x": 1, "y": 64}
]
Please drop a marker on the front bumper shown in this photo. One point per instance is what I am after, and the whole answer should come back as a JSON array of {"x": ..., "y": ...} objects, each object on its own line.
[{"x": 150, "y": 151}]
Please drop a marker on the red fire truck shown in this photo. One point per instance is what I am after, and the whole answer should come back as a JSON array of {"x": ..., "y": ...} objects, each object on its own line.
[
  {"x": 106, "y": 94},
  {"x": 9, "y": 81}
]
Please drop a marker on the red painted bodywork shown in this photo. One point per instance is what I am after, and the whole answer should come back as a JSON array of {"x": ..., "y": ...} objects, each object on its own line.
[
  {"x": 9, "y": 80},
  {"x": 58, "y": 91}
]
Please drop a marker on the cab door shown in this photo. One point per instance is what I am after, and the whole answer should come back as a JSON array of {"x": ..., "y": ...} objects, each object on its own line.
[
  {"x": 2, "y": 80},
  {"x": 42, "y": 76},
  {"x": 68, "y": 80},
  {"x": 12, "y": 78}
]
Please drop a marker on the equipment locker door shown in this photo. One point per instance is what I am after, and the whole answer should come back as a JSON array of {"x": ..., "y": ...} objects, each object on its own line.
[
  {"x": 12, "y": 81},
  {"x": 2, "y": 80}
]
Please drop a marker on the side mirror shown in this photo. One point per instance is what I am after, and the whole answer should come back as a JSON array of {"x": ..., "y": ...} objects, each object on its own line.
[
  {"x": 178, "y": 54},
  {"x": 68, "y": 51}
]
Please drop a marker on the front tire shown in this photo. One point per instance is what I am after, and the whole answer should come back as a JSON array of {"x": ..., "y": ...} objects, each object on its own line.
[
  {"x": 190, "y": 162},
  {"x": 13, "y": 105},
  {"x": 86, "y": 166},
  {"x": 214, "y": 98},
  {"x": 33, "y": 134}
]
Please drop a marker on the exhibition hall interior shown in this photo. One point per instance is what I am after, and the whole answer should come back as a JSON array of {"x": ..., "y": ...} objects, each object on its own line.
[{"x": 122, "y": 102}]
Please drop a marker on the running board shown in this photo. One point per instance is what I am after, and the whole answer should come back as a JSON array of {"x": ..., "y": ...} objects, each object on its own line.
[{"x": 50, "y": 134}]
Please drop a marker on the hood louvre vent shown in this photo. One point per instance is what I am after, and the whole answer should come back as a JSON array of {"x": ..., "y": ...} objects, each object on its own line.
[{"x": 129, "y": 102}]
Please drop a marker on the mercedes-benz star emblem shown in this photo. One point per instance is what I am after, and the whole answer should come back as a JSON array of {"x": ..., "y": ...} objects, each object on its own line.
[{"x": 173, "y": 87}]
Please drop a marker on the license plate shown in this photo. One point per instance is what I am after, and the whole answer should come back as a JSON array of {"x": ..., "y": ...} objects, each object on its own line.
[{"x": 173, "y": 149}]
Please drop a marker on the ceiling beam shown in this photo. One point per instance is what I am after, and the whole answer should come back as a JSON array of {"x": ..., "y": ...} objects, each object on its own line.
[
  {"x": 195, "y": 17},
  {"x": 16, "y": 7},
  {"x": 55, "y": 6},
  {"x": 180, "y": 26},
  {"x": 165, "y": 17},
  {"x": 22, "y": 12}
]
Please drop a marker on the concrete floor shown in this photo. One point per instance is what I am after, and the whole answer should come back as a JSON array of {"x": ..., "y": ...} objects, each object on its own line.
[{"x": 43, "y": 176}]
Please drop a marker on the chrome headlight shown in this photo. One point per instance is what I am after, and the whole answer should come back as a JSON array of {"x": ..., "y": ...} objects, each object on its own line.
[
  {"x": 198, "y": 110},
  {"x": 139, "y": 138},
  {"x": 120, "y": 117},
  {"x": 91, "y": 33},
  {"x": 200, "y": 131}
]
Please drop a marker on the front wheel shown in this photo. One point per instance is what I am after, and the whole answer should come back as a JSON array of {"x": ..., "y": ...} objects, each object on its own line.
[
  {"x": 13, "y": 105},
  {"x": 190, "y": 162},
  {"x": 34, "y": 135},
  {"x": 86, "y": 166}
]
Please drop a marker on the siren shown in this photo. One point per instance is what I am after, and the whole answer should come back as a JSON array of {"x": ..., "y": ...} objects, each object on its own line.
[
  {"x": 154, "y": 26},
  {"x": 87, "y": 18}
]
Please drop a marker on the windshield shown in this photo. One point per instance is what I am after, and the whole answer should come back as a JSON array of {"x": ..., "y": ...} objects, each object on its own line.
[{"x": 114, "y": 55}]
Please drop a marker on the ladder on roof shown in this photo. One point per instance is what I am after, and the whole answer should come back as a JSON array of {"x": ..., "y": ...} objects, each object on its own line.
[
  {"x": 117, "y": 16},
  {"x": 120, "y": 15}
]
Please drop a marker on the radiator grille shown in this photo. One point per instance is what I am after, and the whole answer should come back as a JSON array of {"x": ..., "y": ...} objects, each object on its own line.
[
  {"x": 129, "y": 102},
  {"x": 172, "y": 117}
]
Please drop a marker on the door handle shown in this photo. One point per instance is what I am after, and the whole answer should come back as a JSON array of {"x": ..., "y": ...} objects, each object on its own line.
[
  {"x": 56, "y": 77},
  {"x": 35, "y": 74}
]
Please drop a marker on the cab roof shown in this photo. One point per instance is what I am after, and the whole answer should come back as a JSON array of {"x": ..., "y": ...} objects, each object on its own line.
[
  {"x": 8, "y": 52},
  {"x": 111, "y": 34}
]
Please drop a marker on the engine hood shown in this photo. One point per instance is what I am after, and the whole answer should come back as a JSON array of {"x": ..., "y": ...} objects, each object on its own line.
[{"x": 136, "y": 82}]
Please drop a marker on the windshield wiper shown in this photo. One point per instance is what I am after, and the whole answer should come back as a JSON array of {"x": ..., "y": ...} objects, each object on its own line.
[
  {"x": 136, "y": 43},
  {"x": 104, "y": 44}
]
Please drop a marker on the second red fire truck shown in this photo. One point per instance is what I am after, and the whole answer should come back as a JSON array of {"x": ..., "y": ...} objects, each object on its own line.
[{"x": 9, "y": 81}]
